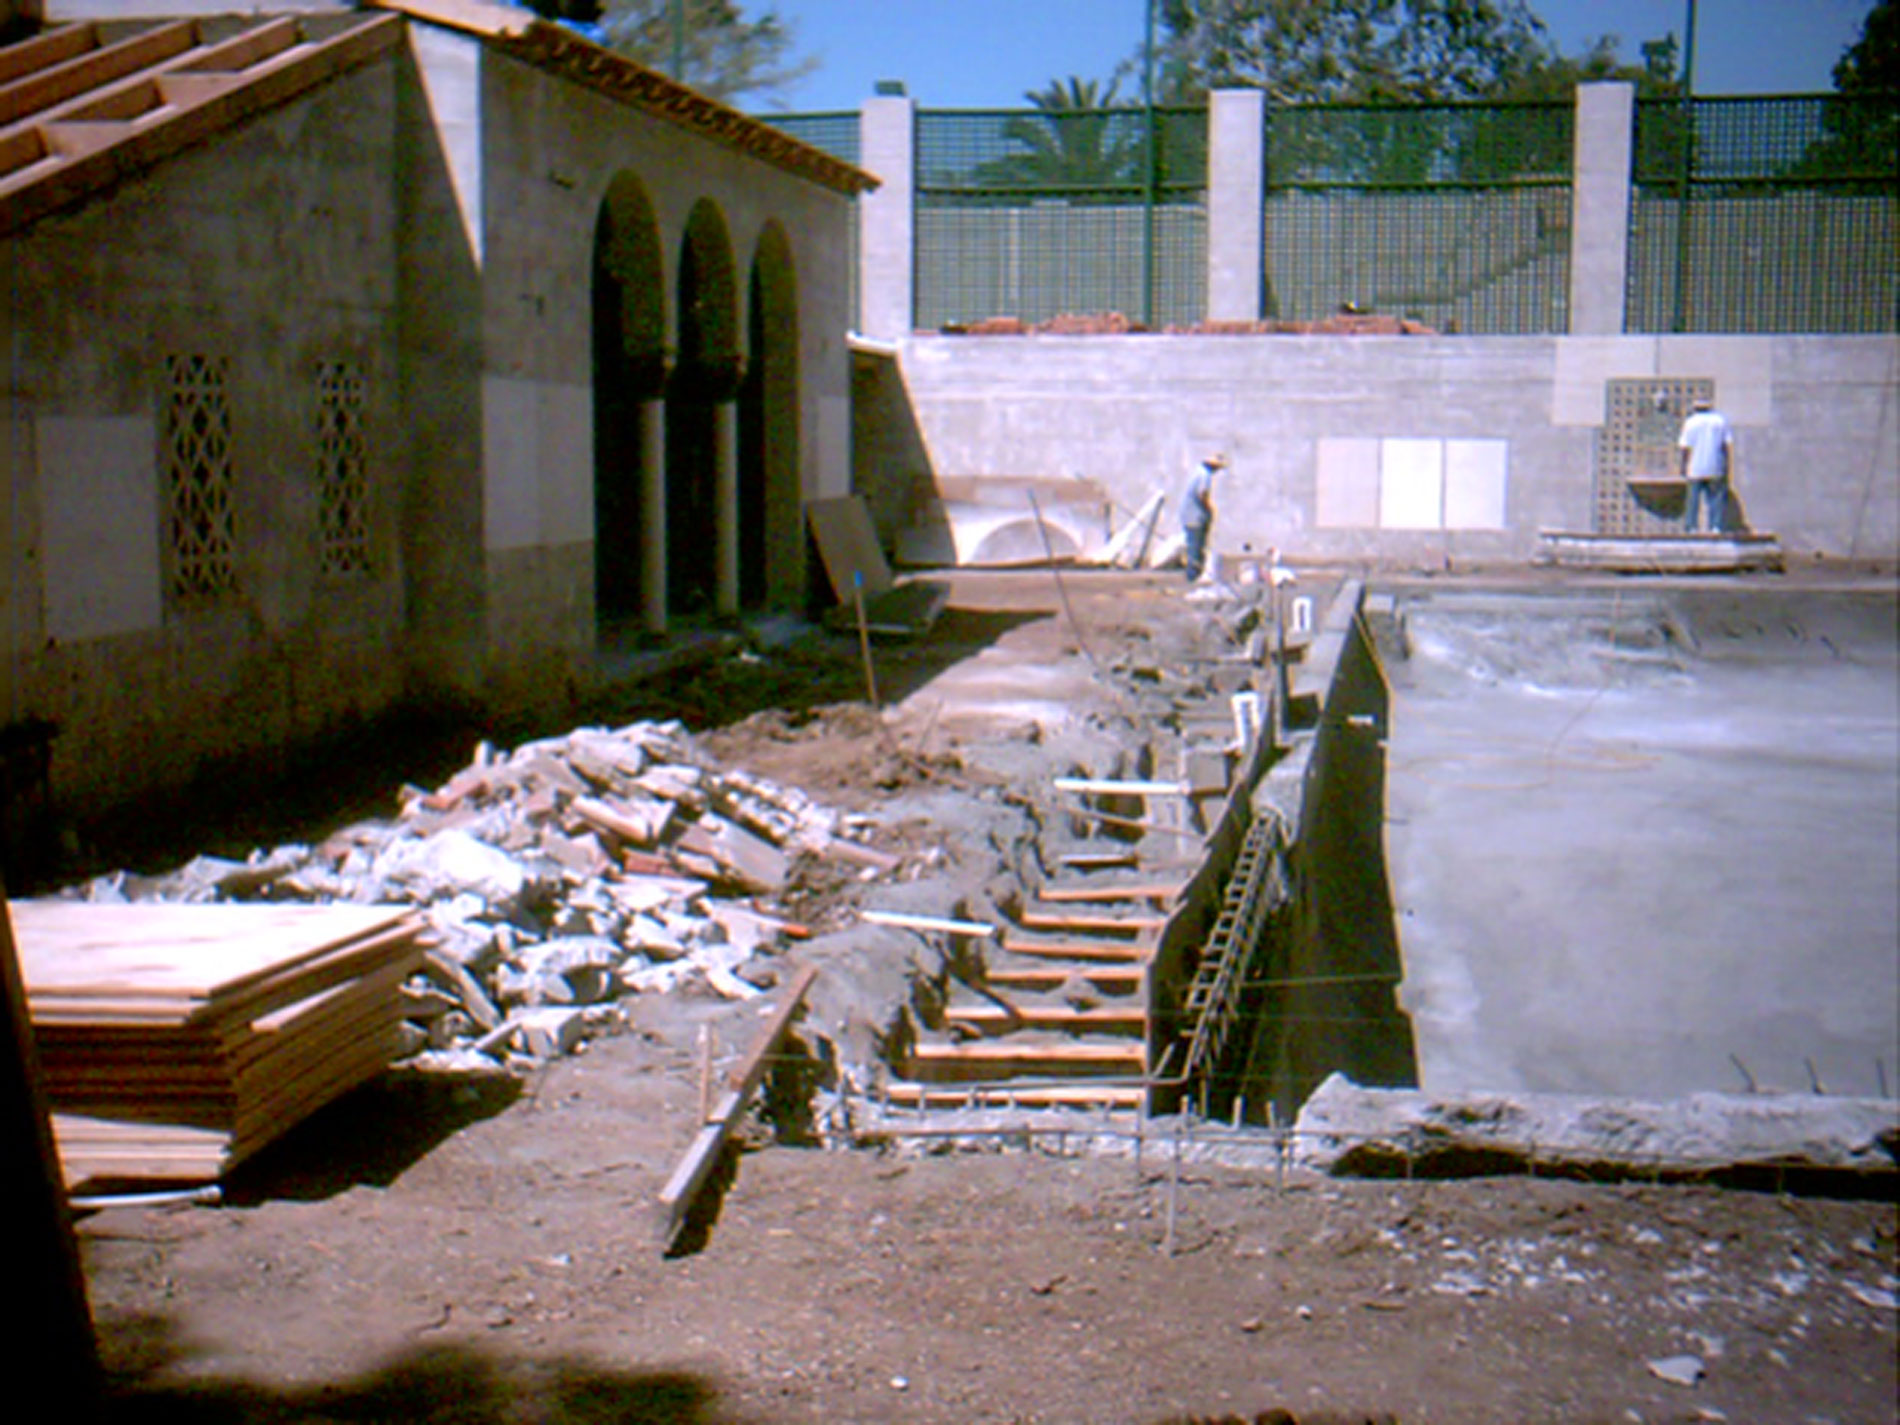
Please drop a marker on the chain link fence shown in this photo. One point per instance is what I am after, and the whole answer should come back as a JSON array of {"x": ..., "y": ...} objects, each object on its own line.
[
  {"x": 1038, "y": 214},
  {"x": 1754, "y": 215},
  {"x": 835, "y": 134},
  {"x": 1766, "y": 215},
  {"x": 1457, "y": 216}
]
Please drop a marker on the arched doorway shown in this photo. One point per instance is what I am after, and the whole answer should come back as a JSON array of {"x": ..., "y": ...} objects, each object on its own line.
[
  {"x": 771, "y": 533},
  {"x": 629, "y": 373},
  {"x": 701, "y": 461}
]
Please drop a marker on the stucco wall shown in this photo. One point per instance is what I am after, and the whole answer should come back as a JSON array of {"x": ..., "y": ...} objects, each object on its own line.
[
  {"x": 552, "y": 149},
  {"x": 275, "y": 251},
  {"x": 430, "y": 218},
  {"x": 1411, "y": 450}
]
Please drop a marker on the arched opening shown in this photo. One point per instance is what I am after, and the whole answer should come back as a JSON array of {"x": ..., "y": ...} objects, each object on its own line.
[
  {"x": 629, "y": 374},
  {"x": 771, "y": 534},
  {"x": 700, "y": 460}
]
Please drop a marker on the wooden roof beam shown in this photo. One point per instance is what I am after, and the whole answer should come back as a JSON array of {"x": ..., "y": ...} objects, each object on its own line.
[
  {"x": 46, "y": 50},
  {"x": 38, "y": 92}
]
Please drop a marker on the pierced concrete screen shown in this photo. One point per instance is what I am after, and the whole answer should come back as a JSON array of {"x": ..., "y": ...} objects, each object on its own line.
[
  {"x": 342, "y": 470},
  {"x": 1636, "y": 453},
  {"x": 198, "y": 477}
]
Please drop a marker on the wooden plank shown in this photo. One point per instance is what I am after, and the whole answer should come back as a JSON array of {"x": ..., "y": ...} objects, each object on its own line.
[
  {"x": 1101, "y": 1019},
  {"x": 1110, "y": 979},
  {"x": 689, "y": 1176},
  {"x": 1072, "y": 892},
  {"x": 1073, "y": 1053},
  {"x": 1038, "y": 917},
  {"x": 188, "y": 952},
  {"x": 1078, "y": 1095},
  {"x": 1113, "y": 787},
  {"x": 1000, "y": 1059},
  {"x": 1124, "y": 950},
  {"x": 1100, "y": 860},
  {"x": 848, "y": 547},
  {"x": 42, "y": 94}
]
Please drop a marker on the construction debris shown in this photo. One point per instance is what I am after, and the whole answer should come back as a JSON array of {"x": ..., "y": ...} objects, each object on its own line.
[{"x": 552, "y": 881}]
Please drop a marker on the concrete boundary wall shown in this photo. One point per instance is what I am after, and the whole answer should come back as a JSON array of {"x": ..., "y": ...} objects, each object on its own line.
[
  {"x": 1334, "y": 950},
  {"x": 1409, "y": 450}
]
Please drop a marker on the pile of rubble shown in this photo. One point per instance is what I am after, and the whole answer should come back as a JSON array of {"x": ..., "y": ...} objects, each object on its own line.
[{"x": 561, "y": 876}]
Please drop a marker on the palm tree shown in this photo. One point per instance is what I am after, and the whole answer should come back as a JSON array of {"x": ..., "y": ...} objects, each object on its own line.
[{"x": 1077, "y": 139}]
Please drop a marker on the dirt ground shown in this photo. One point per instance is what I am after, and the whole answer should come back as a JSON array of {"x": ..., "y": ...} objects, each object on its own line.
[{"x": 483, "y": 1250}]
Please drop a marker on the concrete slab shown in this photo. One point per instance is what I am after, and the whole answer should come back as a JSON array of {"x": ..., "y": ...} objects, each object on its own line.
[{"x": 1643, "y": 841}]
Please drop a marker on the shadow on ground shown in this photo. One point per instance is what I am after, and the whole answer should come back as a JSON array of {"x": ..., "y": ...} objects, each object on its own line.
[
  {"x": 428, "y": 1386},
  {"x": 705, "y": 677},
  {"x": 369, "y": 1137}
]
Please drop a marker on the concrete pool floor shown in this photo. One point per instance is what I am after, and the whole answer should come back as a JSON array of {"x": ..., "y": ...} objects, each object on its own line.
[{"x": 1643, "y": 835}]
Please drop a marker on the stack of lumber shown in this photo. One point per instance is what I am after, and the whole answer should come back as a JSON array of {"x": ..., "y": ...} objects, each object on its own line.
[{"x": 176, "y": 1040}]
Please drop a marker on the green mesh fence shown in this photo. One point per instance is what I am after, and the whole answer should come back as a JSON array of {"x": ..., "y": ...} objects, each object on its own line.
[
  {"x": 1038, "y": 214},
  {"x": 1454, "y": 215},
  {"x": 837, "y": 135},
  {"x": 1766, "y": 215}
]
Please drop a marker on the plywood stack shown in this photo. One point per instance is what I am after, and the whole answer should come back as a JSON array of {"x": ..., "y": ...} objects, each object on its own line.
[{"x": 177, "y": 1040}]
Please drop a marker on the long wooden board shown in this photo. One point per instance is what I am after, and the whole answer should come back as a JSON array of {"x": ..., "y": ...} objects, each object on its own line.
[
  {"x": 178, "y": 1040},
  {"x": 676, "y": 1198}
]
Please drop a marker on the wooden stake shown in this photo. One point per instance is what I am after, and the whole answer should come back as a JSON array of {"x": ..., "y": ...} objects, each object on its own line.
[
  {"x": 697, "y": 1164},
  {"x": 864, "y": 638},
  {"x": 705, "y": 1074}
]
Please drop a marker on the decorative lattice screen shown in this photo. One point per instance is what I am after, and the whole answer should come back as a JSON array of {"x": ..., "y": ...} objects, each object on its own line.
[
  {"x": 1638, "y": 439},
  {"x": 198, "y": 476},
  {"x": 342, "y": 470}
]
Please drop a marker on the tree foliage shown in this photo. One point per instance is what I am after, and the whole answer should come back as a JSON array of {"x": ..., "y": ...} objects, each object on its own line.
[
  {"x": 1346, "y": 50},
  {"x": 1381, "y": 51},
  {"x": 1861, "y": 124},
  {"x": 1872, "y": 63},
  {"x": 1075, "y": 139},
  {"x": 722, "y": 51}
]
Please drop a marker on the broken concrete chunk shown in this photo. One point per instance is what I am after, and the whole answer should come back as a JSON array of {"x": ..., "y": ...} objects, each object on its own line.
[
  {"x": 744, "y": 928},
  {"x": 581, "y": 858},
  {"x": 649, "y": 936},
  {"x": 551, "y": 771},
  {"x": 745, "y": 860},
  {"x": 549, "y": 1031},
  {"x": 675, "y": 782},
  {"x": 1678, "y": 1370},
  {"x": 449, "y": 864},
  {"x": 569, "y": 970},
  {"x": 631, "y": 818},
  {"x": 457, "y": 979}
]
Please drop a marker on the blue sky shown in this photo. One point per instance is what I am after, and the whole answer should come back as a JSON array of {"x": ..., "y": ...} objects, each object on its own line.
[{"x": 986, "y": 53}]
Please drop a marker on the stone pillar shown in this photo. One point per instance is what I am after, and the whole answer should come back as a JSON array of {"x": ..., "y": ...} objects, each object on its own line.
[
  {"x": 653, "y": 516},
  {"x": 1236, "y": 204},
  {"x": 887, "y": 130},
  {"x": 1600, "y": 208},
  {"x": 726, "y": 509}
]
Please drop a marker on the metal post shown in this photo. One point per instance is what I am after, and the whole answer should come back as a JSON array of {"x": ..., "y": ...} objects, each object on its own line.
[
  {"x": 1687, "y": 175},
  {"x": 1174, "y": 1185},
  {"x": 1150, "y": 177}
]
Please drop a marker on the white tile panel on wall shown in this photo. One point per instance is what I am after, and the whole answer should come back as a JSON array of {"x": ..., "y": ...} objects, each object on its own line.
[
  {"x": 98, "y": 480},
  {"x": 1475, "y": 484},
  {"x": 1411, "y": 484},
  {"x": 1346, "y": 494}
]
